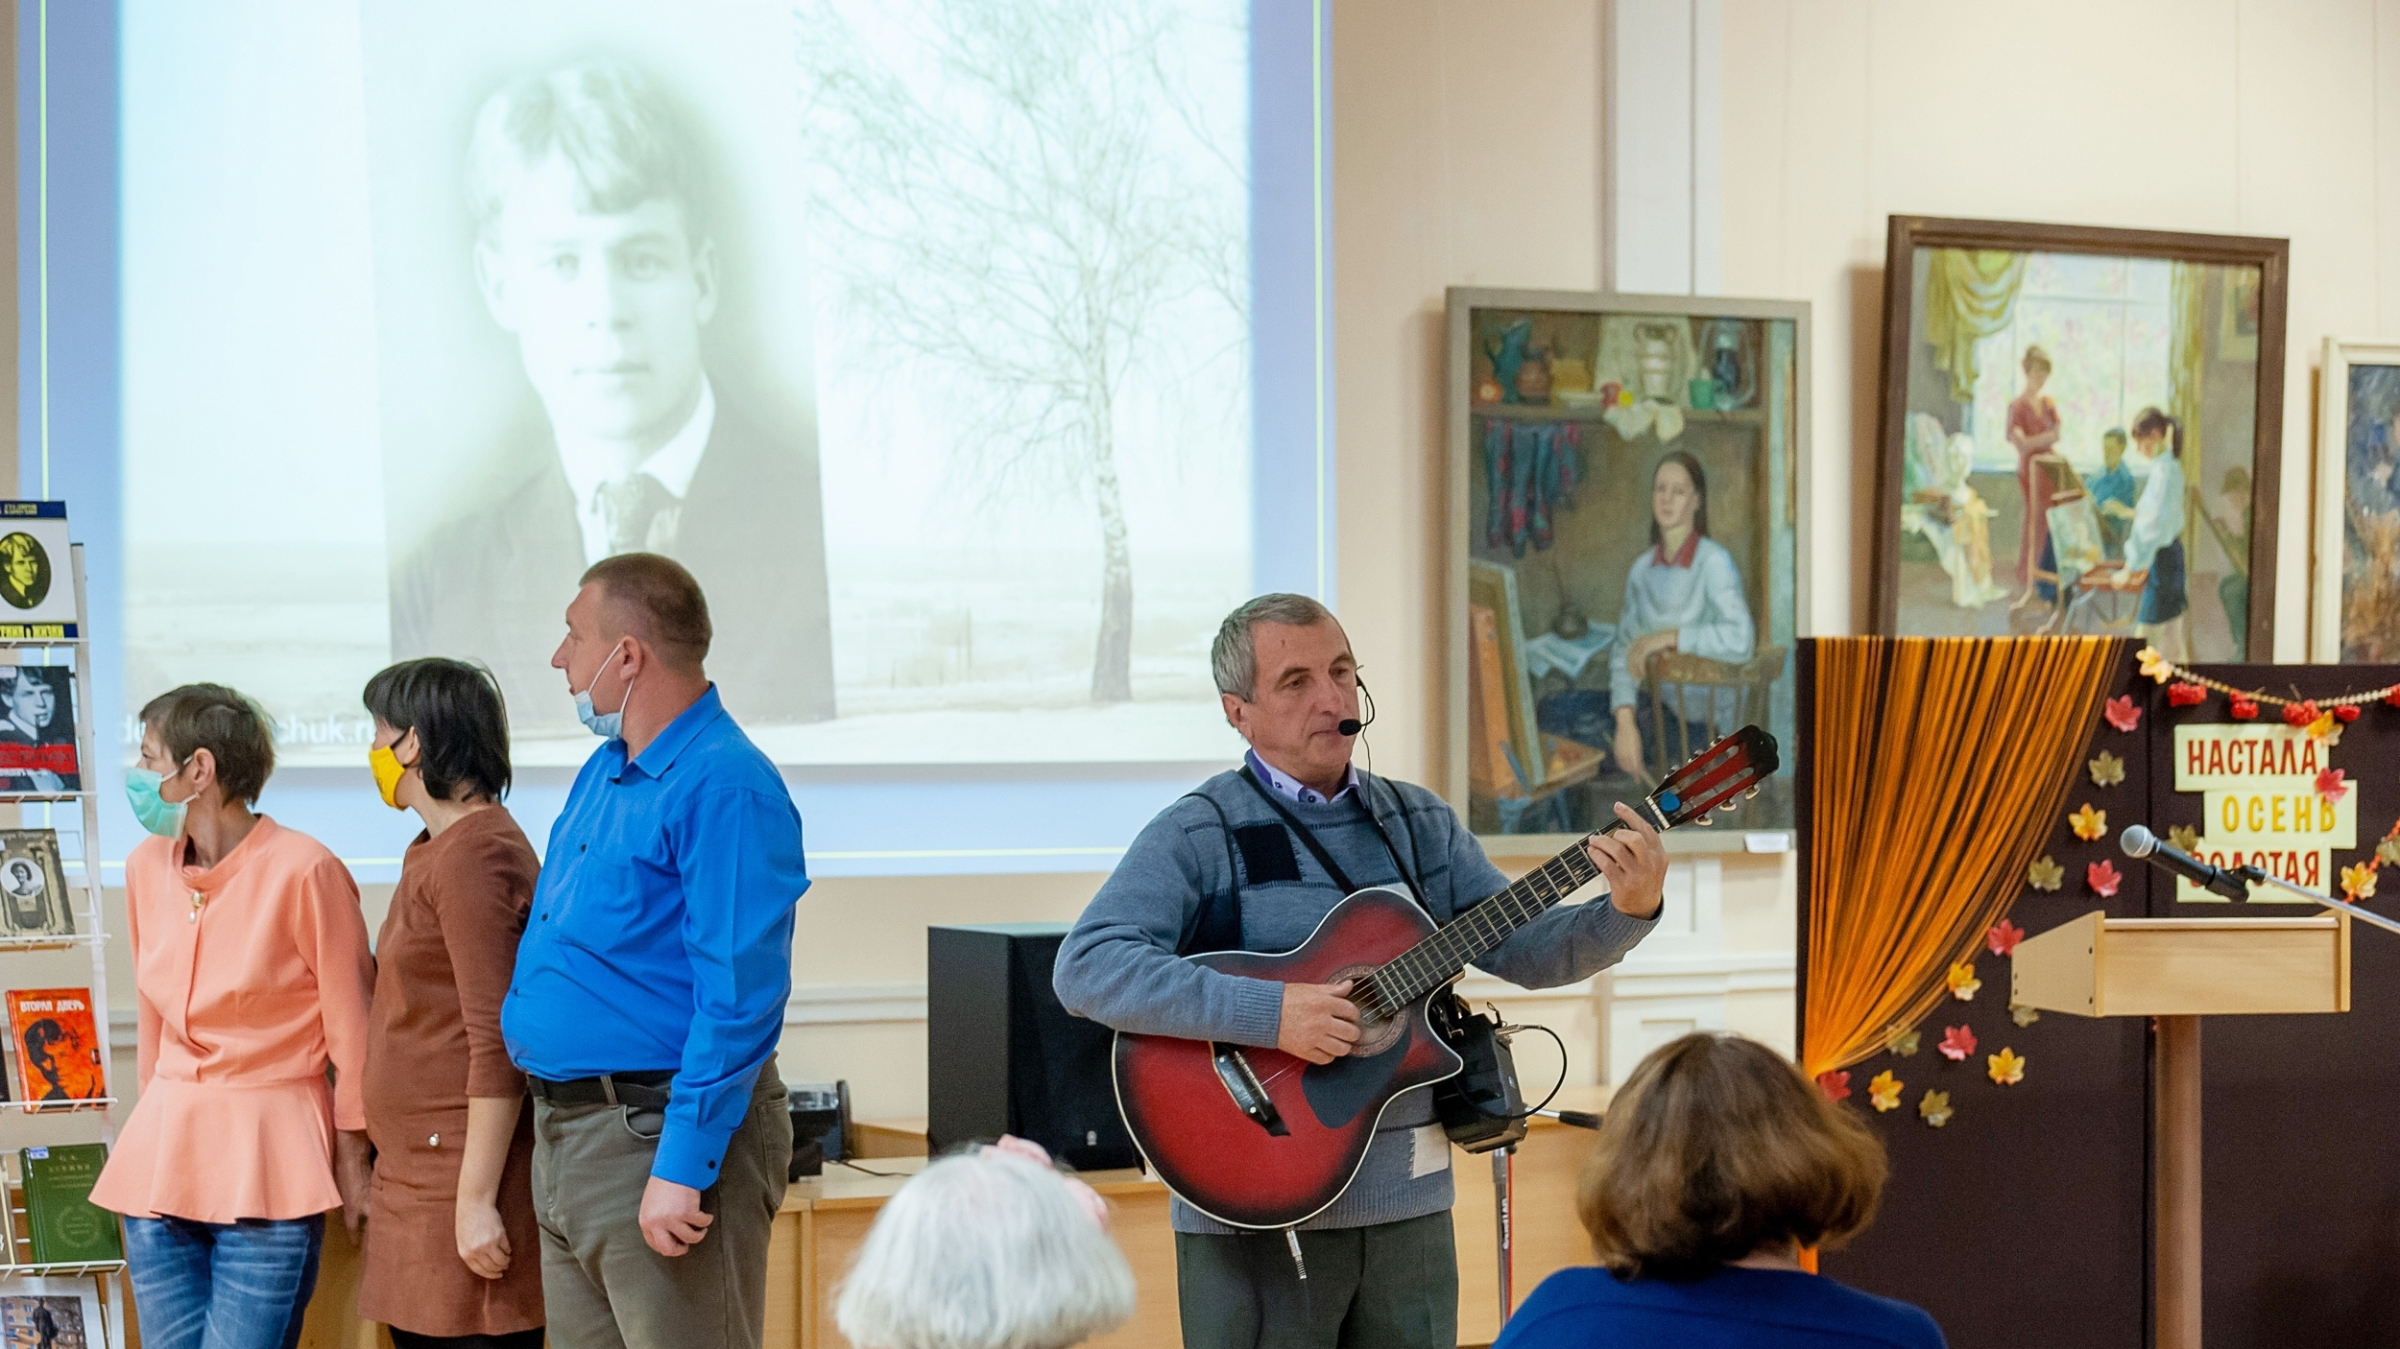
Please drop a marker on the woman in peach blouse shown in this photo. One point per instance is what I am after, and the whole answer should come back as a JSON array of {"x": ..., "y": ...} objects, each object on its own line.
[{"x": 252, "y": 977}]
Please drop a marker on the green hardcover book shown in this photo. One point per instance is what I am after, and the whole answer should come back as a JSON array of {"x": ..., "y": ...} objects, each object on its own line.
[{"x": 67, "y": 1228}]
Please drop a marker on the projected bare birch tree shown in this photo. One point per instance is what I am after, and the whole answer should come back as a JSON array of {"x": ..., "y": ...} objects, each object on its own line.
[{"x": 1003, "y": 208}]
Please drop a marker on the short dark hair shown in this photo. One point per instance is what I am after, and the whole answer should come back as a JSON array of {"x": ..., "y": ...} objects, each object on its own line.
[
  {"x": 616, "y": 128},
  {"x": 660, "y": 602},
  {"x": 235, "y": 731},
  {"x": 1717, "y": 1148},
  {"x": 460, "y": 720}
]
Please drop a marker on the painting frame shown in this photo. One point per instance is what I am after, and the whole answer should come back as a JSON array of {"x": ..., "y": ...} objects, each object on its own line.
[
  {"x": 1460, "y": 566},
  {"x": 2328, "y": 504},
  {"x": 1908, "y": 233}
]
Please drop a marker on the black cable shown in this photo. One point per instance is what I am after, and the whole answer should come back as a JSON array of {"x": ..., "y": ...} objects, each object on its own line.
[
  {"x": 1555, "y": 1087},
  {"x": 899, "y": 1175}
]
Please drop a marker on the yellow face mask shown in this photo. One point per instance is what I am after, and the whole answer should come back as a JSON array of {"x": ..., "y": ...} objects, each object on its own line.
[{"x": 388, "y": 770}]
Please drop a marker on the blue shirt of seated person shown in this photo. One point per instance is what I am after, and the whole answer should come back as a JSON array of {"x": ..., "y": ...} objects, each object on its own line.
[{"x": 1717, "y": 1163}]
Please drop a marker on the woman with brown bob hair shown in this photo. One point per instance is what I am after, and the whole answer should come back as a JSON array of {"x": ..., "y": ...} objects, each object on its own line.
[{"x": 1717, "y": 1165}]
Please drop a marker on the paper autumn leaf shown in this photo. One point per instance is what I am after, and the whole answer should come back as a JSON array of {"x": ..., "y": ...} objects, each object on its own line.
[
  {"x": 2326, "y": 730},
  {"x": 1835, "y": 1085},
  {"x": 2241, "y": 707},
  {"x": 2183, "y": 694},
  {"x": 1904, "y": 1044},
  {"x": 2332, "y": 787},
  {"x": 2007, "y": 1067},
  {"x": 2107, "y": 770},
  {"x": 2103, "y": 877},
  {"x": 2003, "y": 938},
  {"x": 2089, "y": 823},
  {"x": 2388, "y": 852},
  {"x": 2045, "y": 874},
  {"x": 2121, "y": 713},
  {"x": 2154, "y": 665},
  {"x": 2184, "y": 836},
  {"x": 1963, "y": 982},
  {"x": 1883, "y": 1091},
  {"x": 1957, "y": 1043},
  {"x": 2024, "y": 1016},
  {"x": 1935, "y": 1107},
  {"x": 2358, "y": 881}
]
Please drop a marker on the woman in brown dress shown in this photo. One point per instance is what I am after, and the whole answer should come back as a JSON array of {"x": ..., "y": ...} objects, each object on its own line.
[{"x": 452, "y": 1257}]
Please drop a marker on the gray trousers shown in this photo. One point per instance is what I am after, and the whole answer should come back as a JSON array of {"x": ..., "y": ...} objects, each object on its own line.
[
  {"x": 1390, "y": 1286},
  {"x": 602, "y": 1285}
]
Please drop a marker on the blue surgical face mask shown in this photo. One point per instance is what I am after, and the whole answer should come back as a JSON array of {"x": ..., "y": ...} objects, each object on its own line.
[
  {"x": 606, "y": 725},
  {"x": 157, "y": 814}
]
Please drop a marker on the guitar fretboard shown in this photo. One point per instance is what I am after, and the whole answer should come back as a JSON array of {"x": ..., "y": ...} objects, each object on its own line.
[{"x": 1441, "y": 957}]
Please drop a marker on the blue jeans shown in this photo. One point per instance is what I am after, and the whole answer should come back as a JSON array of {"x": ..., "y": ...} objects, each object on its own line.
[{"x": 237, "y": 1285}]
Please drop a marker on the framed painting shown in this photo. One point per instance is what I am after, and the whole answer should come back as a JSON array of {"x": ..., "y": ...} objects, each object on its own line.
[
  {"x": 2041, "y": 379},
  {"x": 1628, "y": 487},
  {"x": 2354, "y": 588}
]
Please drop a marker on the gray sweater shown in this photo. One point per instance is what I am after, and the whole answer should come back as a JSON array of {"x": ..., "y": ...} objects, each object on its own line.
[{"x": 1119, "y": 966}]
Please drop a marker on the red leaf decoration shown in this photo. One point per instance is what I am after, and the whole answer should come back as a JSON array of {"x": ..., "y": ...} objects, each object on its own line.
[
  {"x": 2103, "y": 877},
  {"x": 2121, "y": 713},
  {"x": 2186, "y": 695},
  {"x": 1957, "y": 1043},
  {"x": 2243, "y": 709},
  {"x": 2300, "y": 714},
  {"x": 1836, "y": 1086},
  {"x": 2331, "y": 787},
  {"x": 2003, "y": 938},
  {"x": 2346, "y": 713}
]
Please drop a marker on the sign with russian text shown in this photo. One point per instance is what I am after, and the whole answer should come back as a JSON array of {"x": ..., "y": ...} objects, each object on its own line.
[{"x": 2258, "y": 785}]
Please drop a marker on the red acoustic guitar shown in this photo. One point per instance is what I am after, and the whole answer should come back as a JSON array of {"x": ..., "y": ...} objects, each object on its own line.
[{"x": 1258, "y": 1138}]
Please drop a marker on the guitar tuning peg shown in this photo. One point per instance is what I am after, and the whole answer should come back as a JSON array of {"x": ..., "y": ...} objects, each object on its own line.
[
  {"x": 1704, "y": 821},
  {"x": 1728, "y": 807},
  {"x": 1750, "y": 793}
]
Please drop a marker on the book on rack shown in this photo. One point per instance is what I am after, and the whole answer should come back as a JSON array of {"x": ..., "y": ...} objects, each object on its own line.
[
  {"x": 67, "y": 1227},
  {"x": 37, "y": 577},
  {"x": 49, "y": 1313},
  {"x": 37, "y": 726},
  {"x": 34, "y": 899},
  {"x": 59, "y": 1049}
]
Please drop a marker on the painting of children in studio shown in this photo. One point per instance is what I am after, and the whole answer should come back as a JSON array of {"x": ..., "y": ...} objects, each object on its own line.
[
  {"x": 2075, "y": 450},
  {"x": 1630, "y": 552}
]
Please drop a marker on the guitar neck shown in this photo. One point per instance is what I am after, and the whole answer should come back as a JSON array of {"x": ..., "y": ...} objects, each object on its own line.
[{"x": 1446, "y": 954}]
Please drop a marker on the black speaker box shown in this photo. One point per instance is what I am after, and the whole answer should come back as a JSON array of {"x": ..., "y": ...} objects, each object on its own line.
[{"x": 1004, "y": 1057}]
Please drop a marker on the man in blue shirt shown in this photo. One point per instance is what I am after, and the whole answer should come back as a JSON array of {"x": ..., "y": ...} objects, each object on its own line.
[{"x": 650, "y": 986}]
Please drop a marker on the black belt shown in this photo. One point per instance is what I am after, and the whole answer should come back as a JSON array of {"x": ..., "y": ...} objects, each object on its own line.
[{"x": 642, "y": 1091}]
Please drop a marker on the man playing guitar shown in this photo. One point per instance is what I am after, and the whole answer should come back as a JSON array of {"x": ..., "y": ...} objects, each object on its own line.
[{"x": 1253, "y": 860}]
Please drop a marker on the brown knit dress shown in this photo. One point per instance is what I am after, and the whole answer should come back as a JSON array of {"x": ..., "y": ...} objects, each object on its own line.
[{"x": 442, "y": 967}]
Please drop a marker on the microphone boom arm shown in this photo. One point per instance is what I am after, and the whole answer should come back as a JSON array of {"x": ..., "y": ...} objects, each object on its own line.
[{"x": 2364, "y": 915}]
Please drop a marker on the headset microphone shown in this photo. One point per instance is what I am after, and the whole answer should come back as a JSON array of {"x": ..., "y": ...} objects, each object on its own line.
[{"x": 1352, "y": 725}]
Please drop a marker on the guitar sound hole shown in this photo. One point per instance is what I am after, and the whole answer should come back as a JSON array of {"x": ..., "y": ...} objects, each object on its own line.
[{"x": 1375, "y": 1033}]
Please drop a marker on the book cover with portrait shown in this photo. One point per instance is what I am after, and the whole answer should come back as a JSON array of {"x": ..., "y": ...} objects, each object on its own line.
[
  {"x": 59, "y": 1317},
  {"x": 37, "y": 576},
  {"x": 34, "y": 899},
  {"x": 37, "y": 730},
  {"x": 58, "y": 1045}
]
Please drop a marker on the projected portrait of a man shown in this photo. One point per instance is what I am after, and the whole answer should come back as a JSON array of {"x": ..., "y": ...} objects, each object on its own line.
[{"x": 594, "y": 250}]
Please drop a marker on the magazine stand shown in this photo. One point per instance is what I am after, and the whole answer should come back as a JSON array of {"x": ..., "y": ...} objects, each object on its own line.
[
  {"x": 2177, "y": 970},
  {"x": 73, "y": 814}
]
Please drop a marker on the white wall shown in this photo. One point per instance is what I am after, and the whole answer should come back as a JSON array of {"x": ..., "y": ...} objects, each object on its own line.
[{"x": 2273, "y": 117}]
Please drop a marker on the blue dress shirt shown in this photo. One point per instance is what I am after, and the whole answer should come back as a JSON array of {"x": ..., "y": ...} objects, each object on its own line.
[{"x": 661, "y": 931}]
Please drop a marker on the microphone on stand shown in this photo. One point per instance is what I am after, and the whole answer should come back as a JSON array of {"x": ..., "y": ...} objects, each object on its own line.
[{"x": 2138, "y": 841}]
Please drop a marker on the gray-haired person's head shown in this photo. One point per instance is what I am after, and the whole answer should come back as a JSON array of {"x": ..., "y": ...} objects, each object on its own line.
[
  {"x": 1233, "y": 658},
  {"x": 984, "y": 1251}
]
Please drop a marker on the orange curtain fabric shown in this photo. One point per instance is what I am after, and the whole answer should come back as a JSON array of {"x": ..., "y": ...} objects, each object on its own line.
[{"x": 1939, "y": 767}]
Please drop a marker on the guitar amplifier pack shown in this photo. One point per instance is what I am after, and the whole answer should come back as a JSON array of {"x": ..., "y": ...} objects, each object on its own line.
[{"x": 1004, "y": 1057}]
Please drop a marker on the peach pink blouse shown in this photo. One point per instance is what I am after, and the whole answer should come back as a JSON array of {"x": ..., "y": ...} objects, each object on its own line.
[{"x": 250, "y": 977}]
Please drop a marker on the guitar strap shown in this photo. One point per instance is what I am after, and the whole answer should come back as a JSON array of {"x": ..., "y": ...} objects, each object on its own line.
[
  {"x": 1366, "y": 801},
  {"x": 1217, "y": 924}
]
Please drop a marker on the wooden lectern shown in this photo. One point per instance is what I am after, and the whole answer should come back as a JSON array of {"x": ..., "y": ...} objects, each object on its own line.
[{"x": 2179, "y": 970}]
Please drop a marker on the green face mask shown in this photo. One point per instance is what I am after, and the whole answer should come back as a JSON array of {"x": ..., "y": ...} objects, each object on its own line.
[{"x": 158, "y": 815}]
